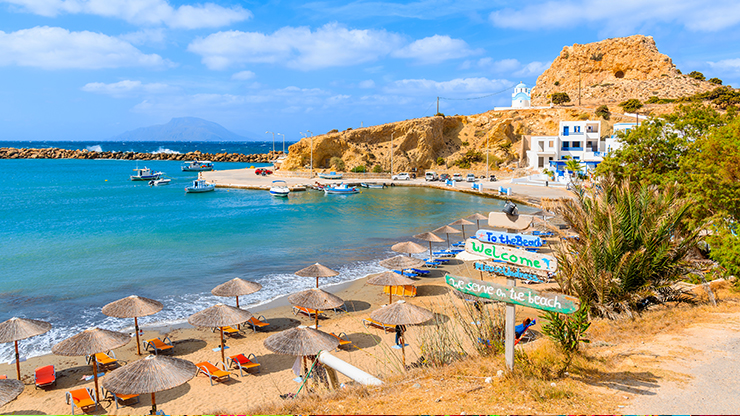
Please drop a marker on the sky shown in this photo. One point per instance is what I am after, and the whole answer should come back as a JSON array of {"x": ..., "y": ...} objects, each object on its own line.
[{"x": 93, "y": 69}]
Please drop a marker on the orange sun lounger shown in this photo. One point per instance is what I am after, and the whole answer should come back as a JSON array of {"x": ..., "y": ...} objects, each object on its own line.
[
  {"x": 229, "y": 330},
  {"x": 344, "y": 341},
  {"x": 213, "y": 372},
  {"x": 408, "y": 290},
  {"x": 307, "y": 311},
  {"x": 373, "y": 322},
  {"x": 104, "y": 360},
  {"x": 159, "y": 345},
  {"x": 121, "y": 398},
  {"x": 83, "y": 399},
  {"x": 244, "y": 363},
  {"x": 258, "y": 323},
  {"x": 45, "y": 376}
]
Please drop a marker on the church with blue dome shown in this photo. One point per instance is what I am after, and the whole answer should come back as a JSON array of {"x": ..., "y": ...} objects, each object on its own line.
[{"x": 521, "y": 98}]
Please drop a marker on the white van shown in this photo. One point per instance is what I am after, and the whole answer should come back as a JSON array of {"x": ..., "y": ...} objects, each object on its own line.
[{"x": 431, "y": 176}]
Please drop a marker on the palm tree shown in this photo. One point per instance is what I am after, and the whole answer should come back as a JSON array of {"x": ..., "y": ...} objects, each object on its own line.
[
  {"x": 631, "y": 246},
  {"x": 574, "y": 166}
]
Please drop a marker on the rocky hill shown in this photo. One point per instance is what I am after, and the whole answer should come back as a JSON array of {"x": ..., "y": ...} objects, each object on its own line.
[{"x": 614, "y": 70}]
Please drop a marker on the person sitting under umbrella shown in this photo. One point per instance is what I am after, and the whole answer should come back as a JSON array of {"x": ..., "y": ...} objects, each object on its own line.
[{"x": 400, "y": 329}]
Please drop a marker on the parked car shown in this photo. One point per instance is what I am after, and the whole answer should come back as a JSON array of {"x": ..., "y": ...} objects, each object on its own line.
[
  {"x": 493, "y": 178},
  {"x": 431, "y": 176},
  {"x": 403, "y": 176},
  {"x": 470, "y": 177},
  {"x": 262, "y": 171},
  {"x": 457, "y": 177},
  {"x": 444, "y": 177}
]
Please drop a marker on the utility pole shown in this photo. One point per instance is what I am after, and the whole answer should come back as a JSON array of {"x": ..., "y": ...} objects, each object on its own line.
[
  {"x": 437, "y": 105},
  {"x": 273, "y": 140},
  {"x": 579, "y": 87},
  {"x": 392, "y": 153},
  {"x": 311, "y": 152}
]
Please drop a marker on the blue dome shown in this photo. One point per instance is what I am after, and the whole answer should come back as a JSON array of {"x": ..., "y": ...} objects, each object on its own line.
[{"x": 521, "y": 85}]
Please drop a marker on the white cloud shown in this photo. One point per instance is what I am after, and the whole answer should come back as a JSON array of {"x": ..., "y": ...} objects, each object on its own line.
[
  {"x": 622, "y": 17},
  {"x": 56, "y": 48},
  {"x": 300, "y": 48},
  {"x": 124, "y": 88},
  {"x": 151, "y": 37},
  {"x": 243, "y": 75},
  {"x": 459, "y": 87},
  {"x": 728, "y": 65},
  {"x": 508, "y": 66},
  {"x": 368, "y": 83},
  {"x": 141, "y": 12},
  {"x": 435, "y": 49},
  {"x": 534, "y": 68}
]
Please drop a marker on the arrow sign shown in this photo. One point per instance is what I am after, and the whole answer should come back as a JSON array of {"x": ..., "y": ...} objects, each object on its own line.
[
  {"x": 512, "y": 255},
  {"x": 555, "y": 302}
]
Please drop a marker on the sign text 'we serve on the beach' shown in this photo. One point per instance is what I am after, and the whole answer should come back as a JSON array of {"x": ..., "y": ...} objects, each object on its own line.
[{"x": 512, "y": 255}]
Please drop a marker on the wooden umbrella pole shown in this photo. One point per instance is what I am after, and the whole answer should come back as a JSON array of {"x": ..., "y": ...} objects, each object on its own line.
[
  {"x": 136, "y": 328},
  {"x": 403, "y": 351},
  {"x": 390, "y": 295},
  {"x": 223, "y": 354},
  {"x": 317, "y": 318},
  {"x": 17, "y": 361},
  {"x": 238, "y": 326},
  {"x": 95, "y": 376},
  {"x": 430, "y": 251},
  {"x": 463, "y": 229},
  {"x": 154, "y": 405},
  {"x": 317, "y": 282}
]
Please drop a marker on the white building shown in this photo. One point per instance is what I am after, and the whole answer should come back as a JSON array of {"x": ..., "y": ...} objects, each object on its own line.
[
  {"x": 521, "y": 97},
  {"x": 612, "y": 143},
  {"x": 579, "y": 140}
]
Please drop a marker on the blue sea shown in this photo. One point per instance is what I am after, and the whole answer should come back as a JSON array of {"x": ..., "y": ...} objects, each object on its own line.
[{"x": 78, "y": 234}]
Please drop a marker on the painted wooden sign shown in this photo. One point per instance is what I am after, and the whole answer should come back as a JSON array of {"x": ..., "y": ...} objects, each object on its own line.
[
  {"x": 500, "y": 237},
  {"x": 510, "y": 222},
  {"x": 511, "y": 271},
  {"x": 546, "y": 301},
  {"x": 512, "y": 255}
]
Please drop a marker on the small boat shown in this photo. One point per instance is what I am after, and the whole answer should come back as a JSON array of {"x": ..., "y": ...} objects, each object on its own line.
[
  {"x": 160, "y": 182},
  {"x": 279, "y": 188},
  {"x": 373, "y": 185},
  {"x": 340, "y": 189},
  {"x": 145, "y": 174},
  {"x": 330, "y": 175},
  {"x": 197, "y": 166},
  {"x": 198, "y": 186}
]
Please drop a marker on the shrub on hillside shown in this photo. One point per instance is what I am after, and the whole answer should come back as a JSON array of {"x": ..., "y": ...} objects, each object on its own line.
[
  {"x": 337, "y": 163},
  {"x": 333, "y": 131},
  {"x": 715, "y": 81},
  {"x": 358, "y": 169},
  {"x": 696, "y": 75},
  {"x": 560, "y": 98},
  {"x": 377, "y": 169},
  {"x": 631, "y": 105},
  {"x": 603, "y": 112},
  {"x": 440, "y": 161}
]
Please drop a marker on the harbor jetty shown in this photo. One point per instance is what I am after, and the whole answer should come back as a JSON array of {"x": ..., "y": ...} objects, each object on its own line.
[{"x": 56, "y": 153}]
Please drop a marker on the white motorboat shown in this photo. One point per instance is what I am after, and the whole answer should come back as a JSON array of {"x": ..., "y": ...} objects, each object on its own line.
[
  {"x": 160, "y": 182},
  {"x": 145, "y": 174},
  {"x": 279, "y": 188},
  {"x": 197, "y": 166},
  {"x": 199, "y": 186},
  {"x": 371, "y": 185},
  {"x": 341, "y": 189}
]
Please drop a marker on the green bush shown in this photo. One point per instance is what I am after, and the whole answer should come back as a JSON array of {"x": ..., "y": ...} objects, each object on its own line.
[
  {"x": 560, "y": 98},
  {"x": 440, "y": 161},
  {"x": 597, "y": 56},
  {"x": 464, "y": 143},
  {"x": 631, "y": 105},
  {"x": 603, "y": 112},
  {"x": 377, "y": 169},
  {"x": 715, "y": 81},
  {"x": 656, "y": 100},
  {"x": 567, "y": 332},
  {"x": 358, "y": 169},
  {"x": 557, "y": 83},
  {"x": 462, "y": 164},
  {"x": 439, "y": 115},
  {"x": 696, "y": 75},
  {"x": 337, "y": 163}
]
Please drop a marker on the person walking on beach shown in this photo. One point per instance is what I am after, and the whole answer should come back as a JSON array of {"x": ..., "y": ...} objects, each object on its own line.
[{"x": 400, "y": 329}]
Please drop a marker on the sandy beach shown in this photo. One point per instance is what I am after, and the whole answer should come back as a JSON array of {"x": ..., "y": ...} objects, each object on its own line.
[{"x": 372, "y": 353}]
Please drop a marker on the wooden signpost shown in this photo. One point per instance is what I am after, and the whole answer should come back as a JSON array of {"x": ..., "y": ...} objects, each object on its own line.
[
  {"x": 512, "y": 255},
  {"x": 509, "y": 222},
  {"x": 512, "y": 239}
]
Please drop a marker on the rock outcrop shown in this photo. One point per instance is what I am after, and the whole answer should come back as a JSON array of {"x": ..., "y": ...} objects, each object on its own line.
[
  {"x": 614, "y": 70},
  {"x": 55, "y": 153}
]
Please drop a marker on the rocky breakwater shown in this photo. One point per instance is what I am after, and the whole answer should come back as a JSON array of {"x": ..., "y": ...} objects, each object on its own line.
[{"x": 55, "y": 153}]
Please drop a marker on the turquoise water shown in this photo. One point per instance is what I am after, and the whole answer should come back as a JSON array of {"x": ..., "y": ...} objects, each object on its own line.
[{"x": 77, "y": 234}]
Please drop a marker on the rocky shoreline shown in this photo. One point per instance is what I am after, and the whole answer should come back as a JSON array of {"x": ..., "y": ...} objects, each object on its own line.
[{"x": 56, "y": 153}]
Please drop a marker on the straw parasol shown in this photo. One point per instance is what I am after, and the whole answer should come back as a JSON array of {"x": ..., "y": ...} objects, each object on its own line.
[
  {"x": 477, "y": 217},
  {"x": 462, "y": 223},
  {"x": 236, "y": 287},
  {"x": 89, "y": 342},
  {"x": 389, "y": 279},
  {"x": 431, "y": 237},
  {"x": 301, "y": 341},
  {"x": 152, "y": 374},
  {"x": 407, "y": 247},
  {"x": 9, "y": 390},
  {"x": 401, "y": 263},
  {"x": 133, "y": 307},
  {"x": 447, "y": 230},
  {"x": 16, "y": 329},
  {"x": 219, "y": 316},
  {"x": 401, "y": 313},
  {"x": 315, "y": 299},
  {"x": 316, "y": 270}
]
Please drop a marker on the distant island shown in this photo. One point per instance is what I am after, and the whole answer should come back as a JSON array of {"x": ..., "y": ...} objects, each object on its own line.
[{"x": 181, "y": 129}]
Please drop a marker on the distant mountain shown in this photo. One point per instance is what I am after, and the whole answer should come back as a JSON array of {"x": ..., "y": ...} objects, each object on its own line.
[{"x": 181, "y": 129}]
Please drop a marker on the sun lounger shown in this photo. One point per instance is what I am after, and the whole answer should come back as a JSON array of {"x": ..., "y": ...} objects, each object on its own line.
[
  {"x": 459, "y": 244},
  {"x": 344, "y": 341},
  {"x": 213, "y": 372},
  {"x": 373, "y": 322},
  {"x": 122, "y": 399},
  {"x": 104, "y": 360},
  {"x": 430, "y": 263},
  {"x": 245, "y": 364},
  {"x": 306, "y": 311},
  {"x": 420, "y": 271},
  {"x": 408, "y": 290},
  {"x": 3, "y": 377},
  {"x": 257, "y": 323},
  {"x": 45, "y": 376},
  {"x": 229, "y": 331},
  {"x": 83, "y": 399},
  {"x": 406, "y": 273},
  {"x": 159, "y": 345},
  {"x": 521, "y": 331}
]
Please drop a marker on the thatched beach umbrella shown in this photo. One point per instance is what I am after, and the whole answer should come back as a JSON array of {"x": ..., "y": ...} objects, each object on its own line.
[
  {"x": 9, "y": 390},
  {"x": 401, "y": 313},
  {"x": 150, "y": 375},
  {"x": 401, "y": 263},
  {"x": 447, "y": 230},
  {"x": 316, "y": 270},
  {"x": 389, "y": 279},
  {"x": 16, "y": 329},
  {"x": 219, "y": 316},
  {"x": 315, "y": 299},
  {"x": 236, "y": 287},
  {"x": 133, "y": 307},
  {"x": 477, "y": 217},
  {"x": 408, "y": 247},
  {"x": 301, "y": 341},
  {"x": 431, "y": 237},
  {"x": 462, "y": 223},
  {"x": 90, "y": 342}
]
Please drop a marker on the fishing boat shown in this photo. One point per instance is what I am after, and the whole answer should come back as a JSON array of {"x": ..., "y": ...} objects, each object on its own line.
[
  {"x": 279, "y": 188},
  {"x": 330, "y": 175},
  {"x": 160, "y": 182},
  {"x": 340, "y": 189},
  {"x": 145, "y": 174},
  {"x": 373, "y": 185},
  {"x": 199, "y": 186},
  {"x": 197, "y": 166}
]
